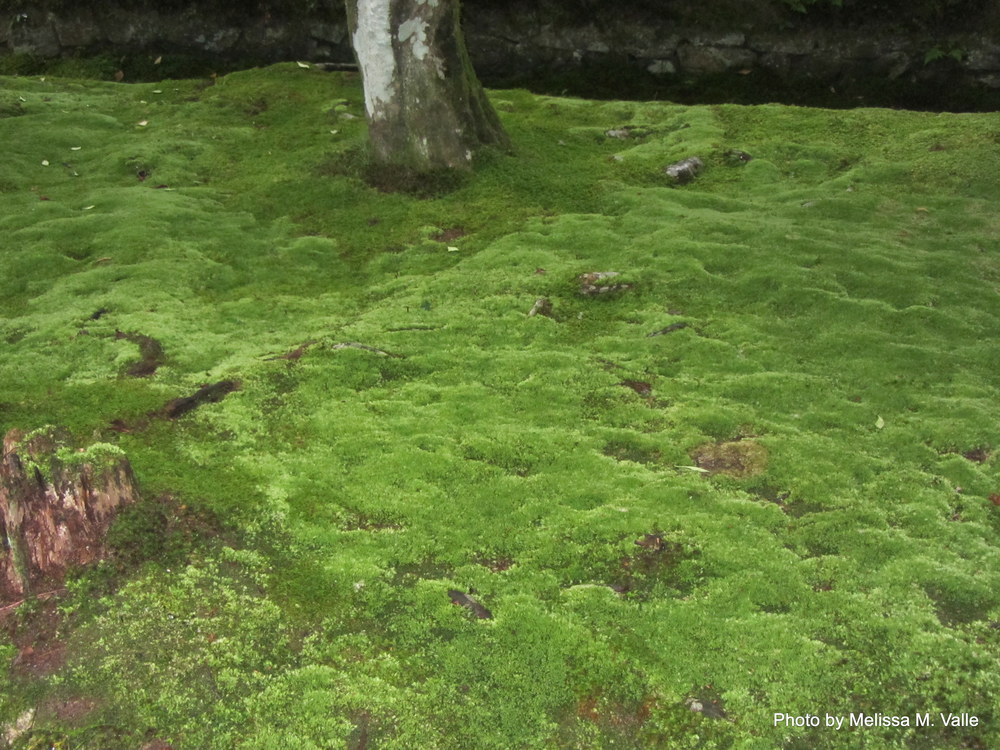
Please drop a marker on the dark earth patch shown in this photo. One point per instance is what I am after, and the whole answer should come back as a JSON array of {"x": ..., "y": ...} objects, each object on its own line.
[
  {"x": 639, "y": 386},
  {"x": 150, "y": 352},
  {"x": 448, "y": 235},
  {"x": 207, "y": 394},
  {"x": 655, "y": 564},
  {"x": 734, "y": 458}
]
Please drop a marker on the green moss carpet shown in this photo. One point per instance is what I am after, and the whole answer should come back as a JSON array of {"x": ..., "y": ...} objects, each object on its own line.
[{"x": 760, "y": 477}]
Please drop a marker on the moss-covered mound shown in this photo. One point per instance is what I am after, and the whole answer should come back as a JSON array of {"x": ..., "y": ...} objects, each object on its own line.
[{"x": 758, "y": 476}]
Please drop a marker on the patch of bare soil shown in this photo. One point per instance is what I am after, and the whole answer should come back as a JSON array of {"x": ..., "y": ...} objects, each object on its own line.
[
  {"x": 734, "y": 458},
  {"x": 68, "y": 711},
  {"x": 150, "y": 351},
  {"x": 178, "y": 407},
  {"x": 40, "y": 652},
  {"x": 449, "y": 234}
]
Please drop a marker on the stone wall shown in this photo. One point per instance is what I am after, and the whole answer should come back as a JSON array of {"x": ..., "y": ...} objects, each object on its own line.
[
  {"x": 514, "y": 41},
  {"x": 111, "y": 29}
]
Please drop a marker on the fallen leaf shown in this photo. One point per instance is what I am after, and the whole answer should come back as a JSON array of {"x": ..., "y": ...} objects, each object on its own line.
[
  {"x": 45, "y": 162},
  {"x": 75, "y": 148},
  {"x": 158, "y": 60},
  {"x": 143, "y": 123},
  {"x": 452, "y": 249},
  {"x": 879, "y": 423},
  {"x": 303, "y": 65}
]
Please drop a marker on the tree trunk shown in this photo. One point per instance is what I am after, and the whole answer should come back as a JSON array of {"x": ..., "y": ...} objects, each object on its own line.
[
  {"x": 56, "y": 505},
  {"x": 426, "y": 109}
]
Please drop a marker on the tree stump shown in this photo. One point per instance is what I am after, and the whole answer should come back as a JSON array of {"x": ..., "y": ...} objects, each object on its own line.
[{"x": 56, "y": 504}]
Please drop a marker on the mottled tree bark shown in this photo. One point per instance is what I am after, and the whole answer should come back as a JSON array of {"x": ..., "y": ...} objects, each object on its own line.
[
  {"x": 56, "y": 505},
  {"x": 426, "y": 109}
]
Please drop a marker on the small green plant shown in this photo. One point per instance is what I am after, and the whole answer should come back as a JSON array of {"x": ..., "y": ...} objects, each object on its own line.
[{"x": 944, "y": 52}]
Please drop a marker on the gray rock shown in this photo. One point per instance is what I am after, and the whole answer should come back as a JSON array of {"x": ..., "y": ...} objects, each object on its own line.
[
  {"x": 79, "y": 34},
  {"x": 542, "y": 306},
  {"x": 695, "y": 59},
  {"x": 685, "y": 170},
  {"x": 661, "y": 68},
  {"x": 591, "y": 286},
  {"x": 984, "y": 58},
  {"x": 894, "y": 64},
  {"x": 784, "y": 44},
  {"x": 34, "y": 33},
  {"x": 990, "y": 80},
  {"x": 329, "y": 33},
  {"x": 775, "y": 62},
  {"x": 733, "y": 39}
]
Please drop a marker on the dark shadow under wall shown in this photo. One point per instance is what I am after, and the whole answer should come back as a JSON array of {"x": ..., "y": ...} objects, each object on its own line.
[{"x": 932, "y": 55}]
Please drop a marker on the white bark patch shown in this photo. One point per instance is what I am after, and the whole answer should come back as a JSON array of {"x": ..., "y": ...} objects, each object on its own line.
[
  {"x": 414, "y": 31},
  {"x": 373, "y": 46}
]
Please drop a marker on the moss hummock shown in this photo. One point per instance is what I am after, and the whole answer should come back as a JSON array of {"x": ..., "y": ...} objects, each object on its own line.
[{"x": 781, "y": 506}]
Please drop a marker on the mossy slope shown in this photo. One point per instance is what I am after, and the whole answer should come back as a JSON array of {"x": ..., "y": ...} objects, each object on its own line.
[{"x": 839, "y": 295}]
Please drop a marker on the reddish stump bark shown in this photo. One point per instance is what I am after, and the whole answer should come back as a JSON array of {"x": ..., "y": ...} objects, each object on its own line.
[{"x": 56, "y": 505}]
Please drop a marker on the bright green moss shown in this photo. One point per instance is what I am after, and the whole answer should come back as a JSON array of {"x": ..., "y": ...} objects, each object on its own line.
[
  {"x": 97, "y": 455},
  {"x": 838, "y": 295}
]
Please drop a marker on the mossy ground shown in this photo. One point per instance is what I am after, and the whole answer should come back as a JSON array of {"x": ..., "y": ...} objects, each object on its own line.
[{"x": 840, "y": 293}]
